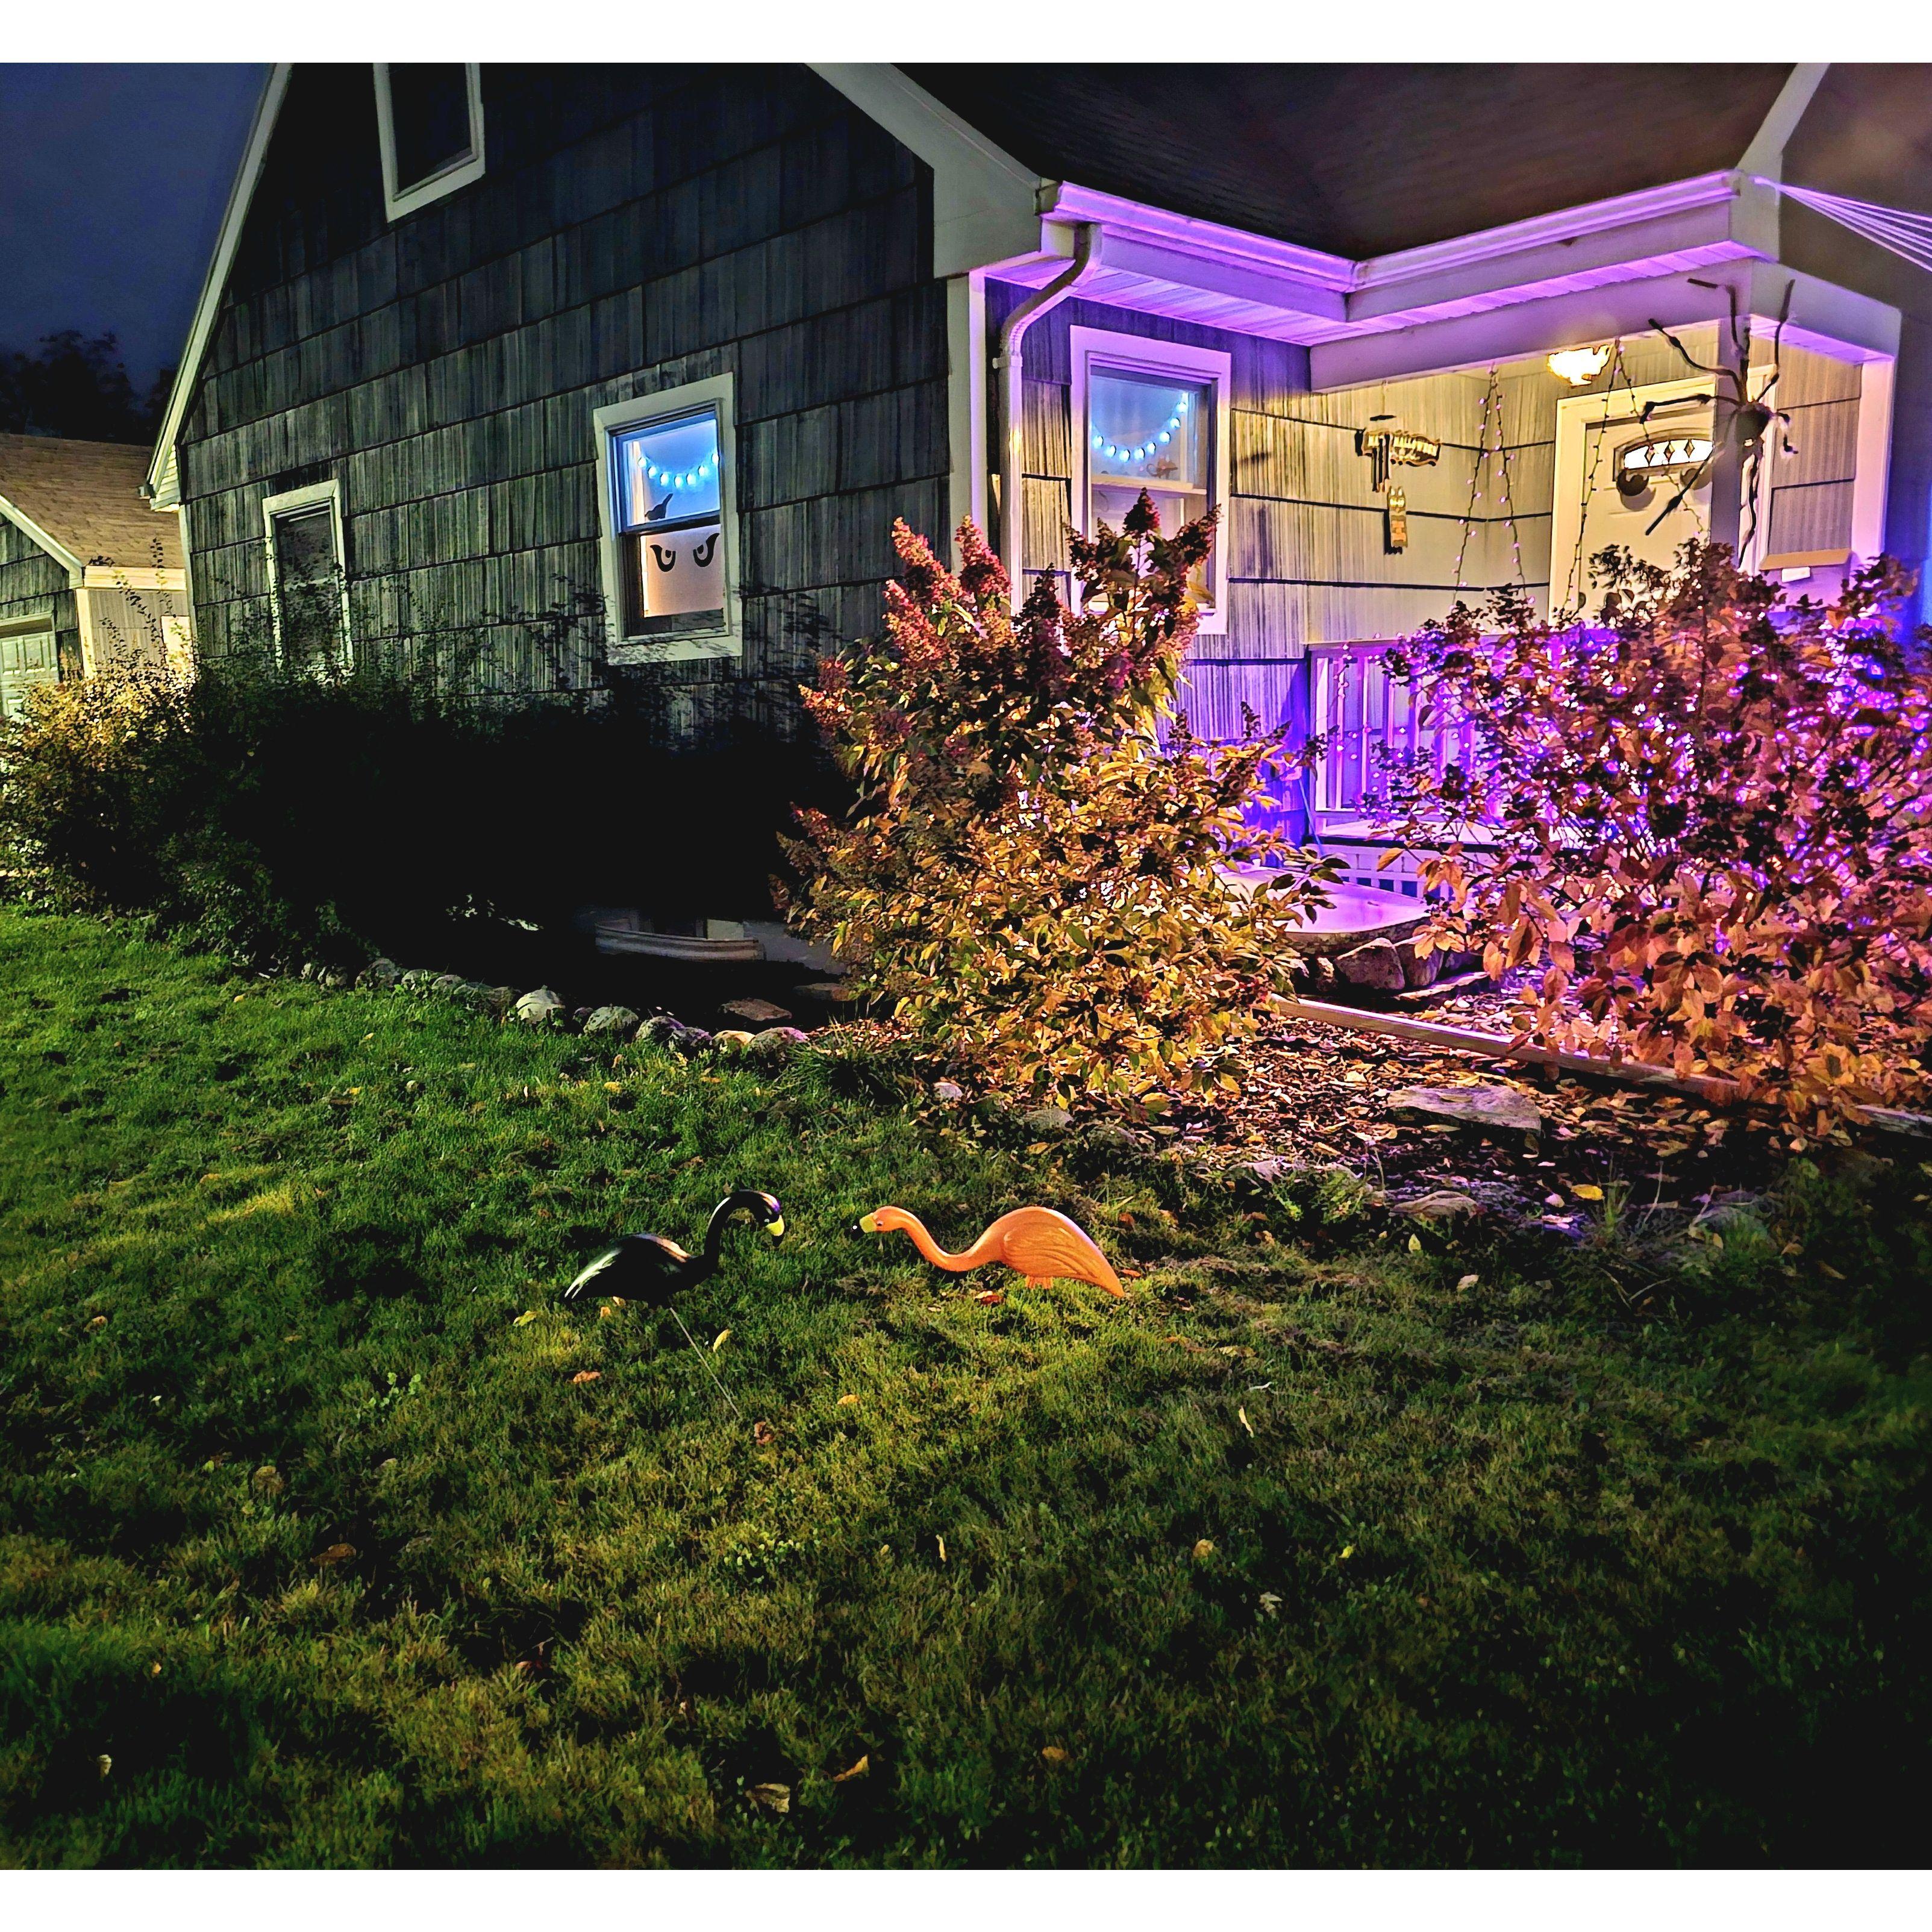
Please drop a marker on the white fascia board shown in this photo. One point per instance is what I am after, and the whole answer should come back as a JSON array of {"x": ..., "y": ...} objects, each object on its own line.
[
  {"x": 1140, "y": 223},
  {"x": 1831, "y": 320},
  {"x": 163, "y": 477},
  {"x": 57, "y": 550},
  {"x": 1765, "y": 155},
  {"x": 985, "y": 206}
]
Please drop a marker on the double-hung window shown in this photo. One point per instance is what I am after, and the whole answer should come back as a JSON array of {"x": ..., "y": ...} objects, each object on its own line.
[
  {"x": 307, "y": 587},
  {"x": 429, "y": 122},
  {"x": 1154, "y": 416},
  {"x": 665, "y": 471}
]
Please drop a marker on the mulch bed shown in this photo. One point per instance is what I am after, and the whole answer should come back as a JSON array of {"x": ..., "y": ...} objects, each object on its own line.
[{"x": 1316, "y": 1095}]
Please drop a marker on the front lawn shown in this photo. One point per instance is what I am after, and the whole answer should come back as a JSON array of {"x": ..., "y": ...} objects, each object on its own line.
[{"x": 318, "y": 1546}]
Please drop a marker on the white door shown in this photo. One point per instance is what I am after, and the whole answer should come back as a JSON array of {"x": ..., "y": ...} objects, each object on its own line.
[
  {"x": 1619, "y": 473},
  {"x": 27, "y": 659}
]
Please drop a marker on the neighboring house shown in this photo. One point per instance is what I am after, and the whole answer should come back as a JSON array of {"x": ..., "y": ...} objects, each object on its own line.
[
  {"x": 89, "y": 577},
  {"x": 624, "y": 372}
]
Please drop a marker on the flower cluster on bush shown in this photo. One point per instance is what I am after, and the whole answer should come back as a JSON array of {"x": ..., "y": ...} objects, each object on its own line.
[
  {"x": 1030, "y": 878},
  {"x": 1708, "y": 823}
]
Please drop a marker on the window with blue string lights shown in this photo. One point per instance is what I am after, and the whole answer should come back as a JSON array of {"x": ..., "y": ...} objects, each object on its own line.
[{"x": 668, "y": 479}]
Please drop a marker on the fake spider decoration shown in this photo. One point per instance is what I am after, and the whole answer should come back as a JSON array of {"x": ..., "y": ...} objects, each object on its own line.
[{"x": 1741, "y": 418}]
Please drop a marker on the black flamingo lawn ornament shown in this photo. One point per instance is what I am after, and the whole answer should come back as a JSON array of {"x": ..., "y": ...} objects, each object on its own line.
[{"x": 650, "y": 1269}]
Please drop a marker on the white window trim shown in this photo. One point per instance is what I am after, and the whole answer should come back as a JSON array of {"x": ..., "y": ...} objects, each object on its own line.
[
  {"x": 398, "y": 202},
  {"x": 1141, "y": 355},
  {"x": 28, "y": 624},
  {"x": 728, "y": 639},
  {"x": 306, "y": 499}
]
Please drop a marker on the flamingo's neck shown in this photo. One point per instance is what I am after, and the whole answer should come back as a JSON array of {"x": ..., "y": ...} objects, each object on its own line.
[{"x": 959, "y": 1264}]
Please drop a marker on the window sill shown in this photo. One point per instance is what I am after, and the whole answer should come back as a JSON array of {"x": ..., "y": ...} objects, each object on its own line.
[{"x": 707, "y": 645}]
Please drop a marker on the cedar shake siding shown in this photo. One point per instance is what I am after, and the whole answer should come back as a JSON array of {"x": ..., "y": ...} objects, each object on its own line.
[
  {"x": 31, "y": 583},
  {"x": 634, "y": 228}
]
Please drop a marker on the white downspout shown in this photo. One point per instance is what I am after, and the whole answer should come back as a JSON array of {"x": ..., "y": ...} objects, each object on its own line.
[{"x": 1010, "y": 364}]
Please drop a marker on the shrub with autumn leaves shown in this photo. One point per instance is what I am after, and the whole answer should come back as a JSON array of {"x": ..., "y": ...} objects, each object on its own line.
[
  {"x": 1031, "y": 879},
  {"x": 1707, "y": 822}
]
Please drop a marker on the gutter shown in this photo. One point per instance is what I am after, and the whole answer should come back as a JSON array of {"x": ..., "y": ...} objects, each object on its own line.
[{"x": 1010, "y": 363}]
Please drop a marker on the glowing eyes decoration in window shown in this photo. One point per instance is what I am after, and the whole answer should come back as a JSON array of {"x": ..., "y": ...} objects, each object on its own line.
[{"x": 666, "y": 472}]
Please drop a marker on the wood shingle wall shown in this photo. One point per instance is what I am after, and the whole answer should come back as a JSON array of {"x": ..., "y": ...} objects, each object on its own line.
[
  {"x": 636, "y": 228},
  {"x": 31, "y": 583}
]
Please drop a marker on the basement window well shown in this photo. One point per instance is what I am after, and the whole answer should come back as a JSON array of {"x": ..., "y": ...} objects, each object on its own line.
[
  {"x": 429, "y": 120},
  {"x": 670, "y": 535}
]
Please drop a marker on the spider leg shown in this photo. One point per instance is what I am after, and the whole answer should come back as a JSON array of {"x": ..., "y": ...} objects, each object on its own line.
[
  {"x": 1690, "y": 483},
  {"x": 1705, "y": 367}
]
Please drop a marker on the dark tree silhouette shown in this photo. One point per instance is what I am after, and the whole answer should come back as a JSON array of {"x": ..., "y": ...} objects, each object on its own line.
[{"x": 76, "y": 385}]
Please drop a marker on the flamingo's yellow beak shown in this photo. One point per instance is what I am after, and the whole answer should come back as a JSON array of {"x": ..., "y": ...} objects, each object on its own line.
[
  {"x": 775, "y": 1228},
  {"x": 868, "y": 1224}
]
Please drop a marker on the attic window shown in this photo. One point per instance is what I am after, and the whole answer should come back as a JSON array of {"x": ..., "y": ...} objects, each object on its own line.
[
  {"x": 429, "y": 120},
  {"x": 307, "y": 584}
]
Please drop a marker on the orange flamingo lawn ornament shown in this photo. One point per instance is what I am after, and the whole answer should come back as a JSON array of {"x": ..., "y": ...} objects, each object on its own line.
[{"x": 1035, "y": 1242}]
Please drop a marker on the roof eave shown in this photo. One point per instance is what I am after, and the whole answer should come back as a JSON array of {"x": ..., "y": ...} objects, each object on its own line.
[
  {"x": 52, "y": 544},
  {"x": 163, "y": 475}
]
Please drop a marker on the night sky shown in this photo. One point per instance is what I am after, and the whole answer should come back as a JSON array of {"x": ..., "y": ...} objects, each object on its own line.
[{"x": 113, "y": 181}]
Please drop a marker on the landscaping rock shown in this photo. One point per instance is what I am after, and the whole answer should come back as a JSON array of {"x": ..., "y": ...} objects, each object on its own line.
[
  {"x": 1417, "y": 971},
  {"x": 948, "y": 1092},
  {"x": 661, "y": 1029},
  {"x": 777, "y": 1043},
  {"x": 1047, "y": 1122},
  {"x": 418, "y": 979},
  {"x": 829, "y": 992},
  {"x": 1376, "y": 967},
  {"x": 541, "y": 1007},
  {"x": 755, "y": 1013},
  {"x": 1323, "y": 968},
  {"x": 446, "y": 984},
  {"x": 379, "y": 976},
  {"x": 1489, "y": 1109},
  {"x": 1442, "y": 1205},
  {"x": 690, "y": 1042},
  {"x": 731, "y": 1039},
  {"x": 619, "y": 1020},
  {"x": 1262, "y": 1172}
]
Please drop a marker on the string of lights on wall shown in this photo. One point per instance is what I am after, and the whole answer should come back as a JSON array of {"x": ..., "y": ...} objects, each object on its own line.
[
  {"x": 1140, "y": 452},
  {"x": 1492, "y": 411}
]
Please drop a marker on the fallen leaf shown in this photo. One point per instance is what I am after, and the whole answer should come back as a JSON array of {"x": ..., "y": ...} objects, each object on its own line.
[
  {"x": 1053, "y": 1754},
  {"x": 1415, "y": 1244},
  {"x": 989, "y": 1297},
  {"x": 773, "y": 1797},
  {"x": 941, "y": 1541},
  {"x": 858, "y": 1770},
  {"x": 724, "y": 1335},
  {"x": 1348, "y": 1550},
  {"x": 99, "y": 1322},
  {"x": 1245, "y": 1423},
  {"x": 1468, "y": 1282},
  {"x": 1587, "y": 1191},
  {"x": 1269, "y": 1602},
  {"x": 524, "y": 1320},
  {"x": 613, "y": 1087},
  {"x": 153, "y": 1670},
  {"x": 763, "y": 1435},
  {"x": 588, "y": 1375},
  {"x": 604, "y": 1313},
  {"x": 1203, "y": 1550},
  {"x": 847, "y": 1402},
  {"x": 1552, "y": 1200},
  {"x": 1825, "y": 1267},
  {"x": 104, "y": 1763},
  {"x": 336, "y": 1553}
]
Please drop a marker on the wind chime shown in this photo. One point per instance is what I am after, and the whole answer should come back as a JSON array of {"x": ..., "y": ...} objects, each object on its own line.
[{"x": 1386, "y": 449}]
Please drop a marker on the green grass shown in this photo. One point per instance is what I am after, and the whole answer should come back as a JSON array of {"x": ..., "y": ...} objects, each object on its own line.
[{"x": 1505, "y": 1573}]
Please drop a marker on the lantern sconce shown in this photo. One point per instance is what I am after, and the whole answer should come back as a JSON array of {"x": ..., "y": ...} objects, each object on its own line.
[{"x": 1580, "y": 366}]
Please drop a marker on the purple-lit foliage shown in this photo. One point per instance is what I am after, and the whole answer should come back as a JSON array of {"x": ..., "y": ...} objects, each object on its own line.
[{"x": 1709, "y": 822}]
